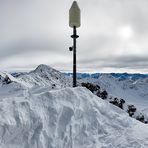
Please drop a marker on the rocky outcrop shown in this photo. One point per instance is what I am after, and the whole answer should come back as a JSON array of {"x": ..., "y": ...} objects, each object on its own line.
[{"x": 119, "y": 102}]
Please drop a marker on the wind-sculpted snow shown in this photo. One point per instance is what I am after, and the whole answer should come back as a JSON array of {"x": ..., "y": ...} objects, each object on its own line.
[{"x": 66, "y": 118}]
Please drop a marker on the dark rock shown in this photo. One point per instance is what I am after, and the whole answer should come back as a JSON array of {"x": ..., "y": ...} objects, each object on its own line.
[
  {"x": 53, "y": 86},
  {"x": 122, "y": 101},
  {"x": 131, "y": 108},
  {"x": 140, "y": 118},
  {"x": 7, "y": 80},
  {"x": 91, "y": 87},
  {"x": 104, "y": 94}
]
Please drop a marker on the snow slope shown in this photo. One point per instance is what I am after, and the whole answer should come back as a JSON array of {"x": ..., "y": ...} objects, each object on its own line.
[
  {"x": 66, "y": 118},
  {"x": 133, "y": 91}
]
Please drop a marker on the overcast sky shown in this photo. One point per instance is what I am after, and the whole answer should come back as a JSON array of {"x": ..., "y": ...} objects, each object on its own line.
[{"x": 113, "y": 35}]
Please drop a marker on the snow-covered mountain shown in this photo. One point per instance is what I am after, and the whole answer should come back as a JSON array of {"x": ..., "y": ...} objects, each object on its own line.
[
  {"x": 39, "y": 109},
  {"x": 132, "y": 87},
  {"x": 44, "y": 75},
  {"x": 133, "y": 91},
  {"x": 119, "y": 76},
  {"x": 117, "y": 101}
]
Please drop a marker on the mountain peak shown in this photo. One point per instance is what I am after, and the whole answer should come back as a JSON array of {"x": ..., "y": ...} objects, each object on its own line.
[{"x": 42, "y": 68}]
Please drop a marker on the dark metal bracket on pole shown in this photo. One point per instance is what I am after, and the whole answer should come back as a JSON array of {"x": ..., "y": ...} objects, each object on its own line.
[{"x": 73, "y": 48}]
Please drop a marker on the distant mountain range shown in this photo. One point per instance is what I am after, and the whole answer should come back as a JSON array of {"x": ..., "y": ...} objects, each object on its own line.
[{"x": 119, "y": 76}]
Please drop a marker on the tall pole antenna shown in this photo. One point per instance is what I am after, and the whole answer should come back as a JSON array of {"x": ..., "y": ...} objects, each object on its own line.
[
  {"x": 74, "y": 36},
  {"x": 74, "y": 22}
]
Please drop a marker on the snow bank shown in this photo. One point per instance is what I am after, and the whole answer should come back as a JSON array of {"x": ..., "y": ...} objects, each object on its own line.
[{"x": 66, "y": 118}]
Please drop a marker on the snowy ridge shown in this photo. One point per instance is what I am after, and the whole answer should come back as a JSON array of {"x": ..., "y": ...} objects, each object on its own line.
[
  {"x": 9, "y": 85},
  {"x": 119, "y": 102},
  {"x": 44, "y": 75},
  {"x": 3, "y": 75},
  {"x": 64, "y": 118},
  {"x": 133, "y": 91}
]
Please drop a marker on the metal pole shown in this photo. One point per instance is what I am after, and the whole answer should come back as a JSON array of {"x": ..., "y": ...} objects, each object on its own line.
[
  {"x": 74, "y": 58},
  {"x": 74, "y": 36}
]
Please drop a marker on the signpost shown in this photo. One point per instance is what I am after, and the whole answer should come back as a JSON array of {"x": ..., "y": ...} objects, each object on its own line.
[{"x": 74, "y": 22}]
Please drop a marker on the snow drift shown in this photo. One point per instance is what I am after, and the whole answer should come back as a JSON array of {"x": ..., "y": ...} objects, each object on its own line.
[{"x": 66, "y": 118}]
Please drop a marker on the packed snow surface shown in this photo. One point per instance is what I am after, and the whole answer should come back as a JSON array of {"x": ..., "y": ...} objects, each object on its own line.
[{"x": 66, "y": 118}]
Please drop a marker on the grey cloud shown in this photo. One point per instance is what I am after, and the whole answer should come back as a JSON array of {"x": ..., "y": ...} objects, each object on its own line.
[
  {"x": 117, "y": 62},
  {"x": 24, "y": 46},
  {"x": 42, "y": 25}
]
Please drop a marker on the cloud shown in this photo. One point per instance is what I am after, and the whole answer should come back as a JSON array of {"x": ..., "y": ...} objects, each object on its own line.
[
  {"x": 118, "y": 63},
  {"x": 26, "y": 46},
  {"x": 40, "y": 27}
]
